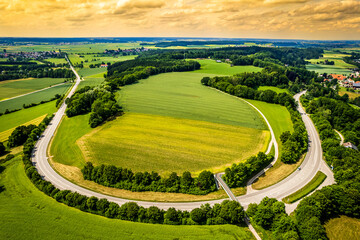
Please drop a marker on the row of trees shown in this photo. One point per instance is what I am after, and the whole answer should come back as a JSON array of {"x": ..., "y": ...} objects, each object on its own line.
[
  {"x": 97, "y": 100},
  {"x": 228, "y": 212},
  {"x": 238, "y": 174},
  {"x": 295, "y": 144},
  {"x": 129, "y": 72},
  {"x": 123, "y": 178}
]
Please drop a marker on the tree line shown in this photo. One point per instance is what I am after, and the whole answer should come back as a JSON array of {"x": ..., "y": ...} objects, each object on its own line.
[
  {"x": 123, "y": 178},
  {"x": 100, "y": 101}
]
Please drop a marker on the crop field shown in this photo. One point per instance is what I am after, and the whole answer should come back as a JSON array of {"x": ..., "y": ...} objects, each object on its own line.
[
  {"x": 343, "y": 228},
  {"x": 212, "y": 67},
  {"x": 37, "y": 97},
  {"x": 23, "y": 117},
  {"x": 181, "y": 95},
  {"x": 164, "y": 144},
  {"x": 28, "y": 213},
  {"x": 13, "y": 88},
  {"x": 275, "y": 89},
  {"x": 340, "y": 66}
]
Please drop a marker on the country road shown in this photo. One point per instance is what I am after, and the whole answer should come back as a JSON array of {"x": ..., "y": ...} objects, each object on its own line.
[{"x": 313, "y": 162}]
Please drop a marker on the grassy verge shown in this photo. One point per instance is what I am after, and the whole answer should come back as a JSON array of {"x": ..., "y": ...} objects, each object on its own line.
[
  {"x": 343, "y": 228},
  {"x": 308, "y": 188},
  {"x": 27, "y": 213}
]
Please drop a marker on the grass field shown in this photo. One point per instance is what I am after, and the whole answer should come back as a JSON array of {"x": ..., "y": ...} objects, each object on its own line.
[
  {"x": 352, "y": 95},
  {"x": 275, "y": 89},
  {"x": 308, "y": 188},
  {"x": 163, "y": 144},
  {"x": 23, "y": 116},
  {"x": 340, "y": 66},
  {"x": 181, "y": 95},
  {"x": 85, "y": 72},
  {"x": 13, "y": 88},
  {"x": 27, "y": 213},
  {"x": 212, "y": 67},
  {"x": 56, "y": 60},
  {"x": 343, "y": 228},
  {"x": 37, "y": 97}
]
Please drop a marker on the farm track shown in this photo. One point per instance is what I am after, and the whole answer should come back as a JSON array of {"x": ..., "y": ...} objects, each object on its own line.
[{"x": 311, "y": 165}]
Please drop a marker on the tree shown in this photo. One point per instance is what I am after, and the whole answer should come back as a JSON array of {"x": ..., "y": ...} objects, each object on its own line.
[
  {"x": 2, "y": 149},
  {"x": 171, "y": 217},
  {"x": 198, "y": 215}
]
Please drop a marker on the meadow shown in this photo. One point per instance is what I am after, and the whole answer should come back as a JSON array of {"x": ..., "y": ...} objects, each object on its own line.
[
  {"x": 32, "y": 115},
  {"x": 56, "y": 60},
  {"x": 352, "y": 95},
  {"x": 97, "y": 59},
  {"x": 212, "y": 67},
  {"x": 30, "y": 214},
  {"x": 275, "y": 89},
  {"x": 13, "y": 88},
  {"x": 343, "y": 228},
  {"x": 37, "y": 97},
  {"x": 181, "y": 95},
  {"x": 85, "y": 72},
  {"x": 340, "y": 66},
  {"x": 163, "y": 144}
]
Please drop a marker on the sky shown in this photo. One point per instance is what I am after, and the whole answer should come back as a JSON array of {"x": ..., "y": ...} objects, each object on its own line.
[{"x": 283, "y": 19}]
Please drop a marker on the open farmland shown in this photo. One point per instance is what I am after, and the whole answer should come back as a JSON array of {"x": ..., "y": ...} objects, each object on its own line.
[
  {"x": 31, "y": 115},
  {"x": 212, "y": 67},
  {"x": 30, "y": 214},
  {"x": 181, "y": 95},
  {"x": 164, "y": 144},
  {"x": 13, "y": 88},
  {"x": 36, "y": 97}
]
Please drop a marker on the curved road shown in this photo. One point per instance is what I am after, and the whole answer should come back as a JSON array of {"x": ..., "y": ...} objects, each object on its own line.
[{"x": 312, "y": 163}]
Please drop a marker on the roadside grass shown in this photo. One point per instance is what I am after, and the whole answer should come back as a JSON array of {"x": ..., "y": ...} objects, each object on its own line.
[
  {"x": 352, "y": 95},
  {"x": 275, "y": 89},
  {"x": 23, "y": 116},
  {"x": 308, "y": 188},
  {"x": 13, "y": 88},
  {"x": 27, "y": 213},
  {"x": 5, "y": 134},
  {"x": 37, "y": 97},
  {"x": 181, "y": 95},
  {"x": 144, "y": 142},
  {"x": 343, "y": 228},
  {"x": 212, "y": 67}
]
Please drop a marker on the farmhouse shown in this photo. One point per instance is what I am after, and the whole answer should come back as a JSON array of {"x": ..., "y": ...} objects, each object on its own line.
[
  {"x": 356, "y": 85},
  {"x": 103, "y": 65}
]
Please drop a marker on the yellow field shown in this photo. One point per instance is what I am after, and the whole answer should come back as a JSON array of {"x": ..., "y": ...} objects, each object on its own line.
[
  {"x": 164, "y": 144},
  {"x": 5, "y": 134},
  {"x": 343, "y": 228}
]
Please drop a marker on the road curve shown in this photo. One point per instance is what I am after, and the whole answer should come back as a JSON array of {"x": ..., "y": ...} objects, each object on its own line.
[{"x": 312, "y": 163}]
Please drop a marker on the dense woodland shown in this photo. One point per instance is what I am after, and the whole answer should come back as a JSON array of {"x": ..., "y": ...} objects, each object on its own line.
[
  {"x": 100, "y": 101},
  {"x": 123, "y": 178}
]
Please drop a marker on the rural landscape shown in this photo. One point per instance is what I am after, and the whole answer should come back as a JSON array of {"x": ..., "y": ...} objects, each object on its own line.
[{"x": 158, "y": 131}]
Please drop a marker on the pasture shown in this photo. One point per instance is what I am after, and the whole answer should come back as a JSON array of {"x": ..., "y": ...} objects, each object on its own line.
[
  {"x": 13, "y": 88},
  {"x": 181, "y": 95},
  {"x": 37, "y": 97},
  {"x": 212, "y": 67},
  {"x": 343, "y": 228},
  {"x": 275, "y": 89},
  {"x": 340, "y": 67},
  {"x": 33, "y": 115},
  {"x": 164, "y": 144},
  {"x": 28, "y": 213}
]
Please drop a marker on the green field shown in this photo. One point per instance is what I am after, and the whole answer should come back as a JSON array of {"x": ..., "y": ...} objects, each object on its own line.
[
  {"x": 212, "y": 67},
  {"x": 181, "y": 95},
  {"x": 56, "y": 60},
  {"x": 275, "y": 89},
  {"x": 352, "y": 95},
  {"x": 27, "y": 213},
  {"x": 340, "y": 66},
  {"x": 85, "y": 72},
  {"x": 37, "y": 97},
  {"x": 343, "y": 228},
  {"x": 164, "y": 144},
  {"x": 13, "y": 88},
  {"x": 308, "y": 188}
]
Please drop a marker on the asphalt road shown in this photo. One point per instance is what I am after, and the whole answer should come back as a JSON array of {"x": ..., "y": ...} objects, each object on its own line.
[{"x": 312, "y": 163}]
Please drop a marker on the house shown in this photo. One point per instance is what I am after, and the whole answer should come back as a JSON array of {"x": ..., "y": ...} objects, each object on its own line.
[
  {"x": 338, "y": 76},
  {"x": 350, "y": 145},
  {"x": 103, "y": 65},
  {"x": 356, "y": 86}
]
